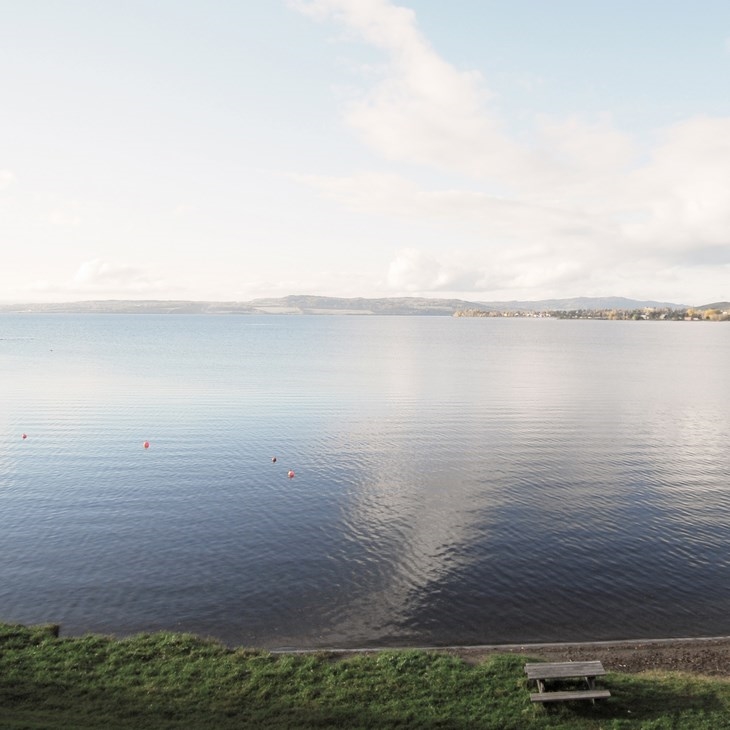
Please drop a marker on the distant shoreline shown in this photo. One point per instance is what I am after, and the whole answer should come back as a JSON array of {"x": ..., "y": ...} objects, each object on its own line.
[{"x": 575, "y": 308}]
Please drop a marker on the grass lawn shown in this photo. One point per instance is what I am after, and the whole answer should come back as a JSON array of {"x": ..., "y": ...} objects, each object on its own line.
[{"x": 169, "y": 680}]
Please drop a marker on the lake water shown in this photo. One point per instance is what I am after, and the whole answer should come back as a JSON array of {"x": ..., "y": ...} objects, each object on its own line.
[{"x": 457, "y": 481}]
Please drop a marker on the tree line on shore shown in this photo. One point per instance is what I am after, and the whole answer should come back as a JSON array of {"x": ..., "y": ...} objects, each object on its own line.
[{"x": 646, "y": 313}]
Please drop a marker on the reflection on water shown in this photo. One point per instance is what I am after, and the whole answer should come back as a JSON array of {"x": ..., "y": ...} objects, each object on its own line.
[{"x": 457, "y": 481}]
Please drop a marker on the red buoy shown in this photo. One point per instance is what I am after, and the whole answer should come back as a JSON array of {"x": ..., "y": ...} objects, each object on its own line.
[
  {"x": 25, "y": 435},
  {"x": 146, "y": 444},
  {"x": 291, "y": 475}
]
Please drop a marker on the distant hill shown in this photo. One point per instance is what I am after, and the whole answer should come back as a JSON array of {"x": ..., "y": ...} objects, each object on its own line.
[
  {"x": 302, "y": 304},
  {"x": 722, "y": 306},
  {"x": 308, "y": 304},
  {"x": 124, "y": 306},
  {"x": 587, "y": 303},
  {"x": 295, "y": 304}
]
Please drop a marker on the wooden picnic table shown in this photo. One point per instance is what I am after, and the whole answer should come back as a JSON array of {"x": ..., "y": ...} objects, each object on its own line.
[{"x": 545, "y": 671}]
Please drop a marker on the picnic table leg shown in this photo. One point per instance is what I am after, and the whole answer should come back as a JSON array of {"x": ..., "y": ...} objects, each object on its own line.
[{"x": 591, "y": 682}]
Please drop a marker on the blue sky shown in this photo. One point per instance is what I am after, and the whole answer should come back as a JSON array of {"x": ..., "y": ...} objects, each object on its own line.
[{"x": 479, "y": 149}]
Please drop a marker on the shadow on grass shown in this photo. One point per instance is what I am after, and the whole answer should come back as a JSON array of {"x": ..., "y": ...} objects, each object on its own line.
[
  {"x": 635, "y": 702},
  {"x": 640, "y": 705},
  {"x": 651, "y": 701},
  {"x": 126, "y": 710}
]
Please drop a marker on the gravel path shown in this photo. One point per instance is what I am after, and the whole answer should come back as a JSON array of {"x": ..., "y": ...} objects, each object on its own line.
[{"x": 706, "y": 656}]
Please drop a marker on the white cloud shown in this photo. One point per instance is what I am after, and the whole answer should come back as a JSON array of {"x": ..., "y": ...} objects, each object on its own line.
[
  {"x": 587, "y": 161},
  {"x": 585, "y": 207},
  {"x": 467, "y": 273},
  {"x": 106, "y": 279},
  {"x": 424, "y": 110},
  {"x": 66, "y": 214},
  {"x": 7, "y": 178},
  {"x": 684, "y": 191},
  {"x": 365, "y": 192},
  {"x": 495, "y": 220},
  {"x": 414, "y": 271},
  {"x": 101, "y": 275}
]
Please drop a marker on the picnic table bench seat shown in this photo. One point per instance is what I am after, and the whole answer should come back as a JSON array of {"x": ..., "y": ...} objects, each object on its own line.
[{"x": 577, "y": 694}]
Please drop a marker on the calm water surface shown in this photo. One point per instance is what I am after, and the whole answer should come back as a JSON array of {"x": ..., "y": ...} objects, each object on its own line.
[{"x": 457, "y": 480}]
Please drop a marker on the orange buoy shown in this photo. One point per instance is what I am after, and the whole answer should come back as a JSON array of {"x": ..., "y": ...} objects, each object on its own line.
[
  {"x": 146, "y": 444},
  {"x": 290, "y": 474}
]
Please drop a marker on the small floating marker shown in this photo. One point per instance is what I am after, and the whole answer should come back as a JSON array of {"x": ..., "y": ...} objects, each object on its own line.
[
  {"x": 146, "y": 444},
  {"x": 290, "y": 474},
  {"x": 273, "y": 460},
  {"x": 25, "y": 436}
]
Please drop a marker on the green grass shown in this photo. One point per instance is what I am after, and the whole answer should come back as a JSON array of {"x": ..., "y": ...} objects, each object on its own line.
[{"x": 170, "y": 680}]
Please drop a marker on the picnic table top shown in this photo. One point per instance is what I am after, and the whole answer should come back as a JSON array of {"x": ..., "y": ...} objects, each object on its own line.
[{"x": 555, "y": 670}]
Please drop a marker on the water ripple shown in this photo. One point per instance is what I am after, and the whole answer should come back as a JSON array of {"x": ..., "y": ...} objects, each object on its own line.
[{"x": 447, "y": 480}]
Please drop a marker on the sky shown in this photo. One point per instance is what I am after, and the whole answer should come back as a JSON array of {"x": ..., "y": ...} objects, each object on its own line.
[{"x": 480, "y": 149}]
